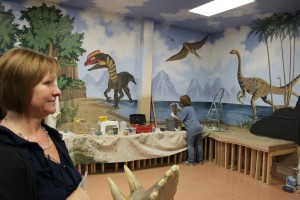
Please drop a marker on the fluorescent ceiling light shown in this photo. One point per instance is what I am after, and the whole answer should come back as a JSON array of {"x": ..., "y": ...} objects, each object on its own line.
[{"x": 218, "y": 6}]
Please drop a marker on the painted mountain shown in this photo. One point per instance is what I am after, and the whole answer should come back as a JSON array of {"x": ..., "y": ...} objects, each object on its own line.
[
  {"x": 194, "y": 90},
  {"x": 208, "y": 93},
  {"x": 162, "y": 88}
]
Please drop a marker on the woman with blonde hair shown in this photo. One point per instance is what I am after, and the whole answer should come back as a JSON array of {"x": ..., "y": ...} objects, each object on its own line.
[{"x": 28, "y": 92}]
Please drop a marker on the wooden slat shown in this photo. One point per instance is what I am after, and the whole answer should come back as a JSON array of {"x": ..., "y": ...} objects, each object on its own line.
[
  {"x": 116, "y": 167},
  {"x": 239, "y": 165},
  {"x": 233, "y": 156},
  {"x": 252, "y": 163},
  {"x": 258, "y": 165},
  {"x": 102, "y": 167},
  {"x": 264, "y": 167},
  {"x": 227, "y": 155},
  {"x": 211, "y": 153},
  {"x": 132, "y": 165},
  {"x": 247, "y": 160}
]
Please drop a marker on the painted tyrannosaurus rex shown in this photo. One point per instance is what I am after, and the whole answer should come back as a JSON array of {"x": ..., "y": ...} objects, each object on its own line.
[{"x": 117, "y": 82}]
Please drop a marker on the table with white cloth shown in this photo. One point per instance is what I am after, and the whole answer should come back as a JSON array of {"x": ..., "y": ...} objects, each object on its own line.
[{"x": 144, "y": 149}]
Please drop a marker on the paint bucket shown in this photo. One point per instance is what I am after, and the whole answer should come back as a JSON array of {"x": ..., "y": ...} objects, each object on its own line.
[{"x": 172, "y": 124}]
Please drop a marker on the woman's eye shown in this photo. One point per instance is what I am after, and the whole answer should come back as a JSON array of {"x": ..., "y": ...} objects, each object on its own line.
[{"x": 50, "y": 82}]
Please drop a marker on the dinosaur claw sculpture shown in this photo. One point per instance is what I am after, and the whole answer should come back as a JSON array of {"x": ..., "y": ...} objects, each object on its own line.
[
  {"x": 133, "y": 183},
  {"x": 163, "y": 189},
  {"x": 116, "y": 193}
]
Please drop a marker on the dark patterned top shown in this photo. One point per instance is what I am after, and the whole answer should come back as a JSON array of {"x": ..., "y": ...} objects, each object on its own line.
[{"x": 53, "y": 180}]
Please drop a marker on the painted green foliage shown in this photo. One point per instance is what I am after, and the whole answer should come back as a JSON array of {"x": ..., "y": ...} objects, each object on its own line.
[
  {"x": 280, "y": 26},
  {"x": 50, "y": 32},
  {"x": 8, "y": 29}
]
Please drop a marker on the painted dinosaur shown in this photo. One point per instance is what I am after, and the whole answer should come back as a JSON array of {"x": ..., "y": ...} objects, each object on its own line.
[
  {"x": 188, "y": 48},
  {"x": 258, "y": 87},
  {"x": 117, "y": 82},
  {"x": 163, "y": 189}
]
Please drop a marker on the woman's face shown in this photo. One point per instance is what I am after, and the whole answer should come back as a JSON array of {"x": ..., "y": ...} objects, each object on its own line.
[
  {"x": 181, "y": 102},
  {"x": 43, "y": 97}
]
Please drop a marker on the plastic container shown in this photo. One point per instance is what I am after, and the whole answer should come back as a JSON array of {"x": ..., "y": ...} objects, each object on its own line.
[
  {"x": 171, "y": 124},
  {"x": 102, "y": 118},
  {"x": 132, "y": 131},
  {"x": 123, "y": 126}
]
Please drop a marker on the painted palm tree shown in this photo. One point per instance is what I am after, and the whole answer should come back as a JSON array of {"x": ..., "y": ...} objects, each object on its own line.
[
  {"x": 264, "y": 30},
  {"x": 282, "y": 26},
  {"x": 292, "y": 23},
  {"x": 279, "y": 24}
]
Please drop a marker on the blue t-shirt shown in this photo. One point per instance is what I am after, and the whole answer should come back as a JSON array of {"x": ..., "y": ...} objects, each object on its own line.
[{"x": 189, "y": 118}]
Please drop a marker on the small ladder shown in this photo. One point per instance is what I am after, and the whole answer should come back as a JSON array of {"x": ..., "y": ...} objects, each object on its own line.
[{"x": 215, "y": 112}]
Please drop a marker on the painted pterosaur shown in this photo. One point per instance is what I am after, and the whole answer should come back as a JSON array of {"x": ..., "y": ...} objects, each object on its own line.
[{"x": 188, "y": 48}]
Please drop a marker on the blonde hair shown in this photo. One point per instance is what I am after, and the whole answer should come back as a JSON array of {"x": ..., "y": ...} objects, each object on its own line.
[{"x": 21, "y": 69}]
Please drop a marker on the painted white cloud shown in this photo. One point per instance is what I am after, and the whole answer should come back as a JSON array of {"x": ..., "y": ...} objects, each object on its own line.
[
  {"x": 213, "y": 23},
  {"x": 30, "y": 3},
  {"x": 115, "y": 38},
  {"x": 251, "y": 8},
  {"x": 120, "y": 6},
  {"x": 182, "y": 15}
]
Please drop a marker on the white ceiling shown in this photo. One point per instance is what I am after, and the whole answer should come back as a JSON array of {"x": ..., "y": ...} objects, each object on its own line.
[{"x": 175, "y": 12}]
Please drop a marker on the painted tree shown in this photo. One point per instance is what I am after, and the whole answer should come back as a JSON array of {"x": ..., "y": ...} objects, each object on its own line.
[
  {"x": 282, "y": 26},
  {"x": 50, "y": 32},
  {"x": 264, "y": 31},
  {"x": 8, "y": 29},
  {"x": 292, "y": 24},
  {"x": 279, "y": 28}
]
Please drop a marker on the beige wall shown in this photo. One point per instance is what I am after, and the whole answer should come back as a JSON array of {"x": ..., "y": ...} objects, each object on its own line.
[{"x": 144, "y": 100}]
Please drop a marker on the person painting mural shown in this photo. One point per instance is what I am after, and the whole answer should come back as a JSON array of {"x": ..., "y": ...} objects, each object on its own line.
[{"x": 187, "y": 115}]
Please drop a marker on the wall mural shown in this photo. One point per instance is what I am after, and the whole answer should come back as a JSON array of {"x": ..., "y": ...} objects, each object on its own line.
[
  {"x": 86, "y": 88},
  {"x": 258, "y": 87},
  {"x": 117, "y": 81},
  {"x": 188, "y": 48}
]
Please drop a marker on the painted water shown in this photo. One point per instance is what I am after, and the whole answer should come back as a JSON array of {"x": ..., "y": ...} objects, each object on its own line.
[{"x": 234, "y": 113}]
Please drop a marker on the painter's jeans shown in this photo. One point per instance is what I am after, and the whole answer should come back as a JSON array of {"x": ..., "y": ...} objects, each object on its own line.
[{"x": 195, "y": 142}]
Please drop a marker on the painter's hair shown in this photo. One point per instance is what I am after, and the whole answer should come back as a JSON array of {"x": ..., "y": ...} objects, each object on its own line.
[
  {"x": 21, "y": 69},
  {"x": 185, "y": 100}
]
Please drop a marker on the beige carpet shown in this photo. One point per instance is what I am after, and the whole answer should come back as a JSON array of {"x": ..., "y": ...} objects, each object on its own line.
[{"x": 207, "y": 181}]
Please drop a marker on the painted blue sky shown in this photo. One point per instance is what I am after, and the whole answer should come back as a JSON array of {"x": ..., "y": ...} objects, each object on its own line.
[{"x": 119, "y": 36}]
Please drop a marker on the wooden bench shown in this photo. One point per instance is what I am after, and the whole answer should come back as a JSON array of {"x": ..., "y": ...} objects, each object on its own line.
[{"x": 241, "y": 151}]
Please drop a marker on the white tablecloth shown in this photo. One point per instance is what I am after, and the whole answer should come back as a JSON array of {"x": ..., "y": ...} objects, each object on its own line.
[{"x": 85, "y": 149}]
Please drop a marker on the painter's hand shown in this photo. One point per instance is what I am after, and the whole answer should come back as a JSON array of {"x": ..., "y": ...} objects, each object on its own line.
[
  {"x": 79, "y": 194},
  {"x": 173, "y": 115}
]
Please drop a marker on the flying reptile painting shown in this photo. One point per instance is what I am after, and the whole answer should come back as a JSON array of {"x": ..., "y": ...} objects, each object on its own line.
[{"x": 188, "y": 48}]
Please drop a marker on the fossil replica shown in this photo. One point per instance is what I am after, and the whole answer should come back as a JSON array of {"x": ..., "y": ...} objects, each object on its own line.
[{"x": 163, "y": 189}]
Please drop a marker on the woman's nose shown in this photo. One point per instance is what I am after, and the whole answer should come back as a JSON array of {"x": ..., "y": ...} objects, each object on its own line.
[{"x": 56, "y": 91}]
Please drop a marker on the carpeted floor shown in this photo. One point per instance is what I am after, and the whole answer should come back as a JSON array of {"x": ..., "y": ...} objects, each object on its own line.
[{"x": 207, "y": 181}]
